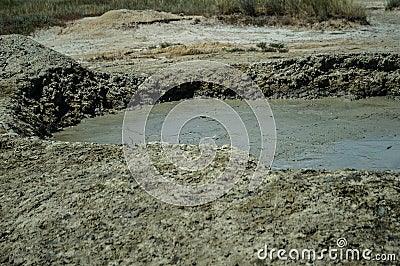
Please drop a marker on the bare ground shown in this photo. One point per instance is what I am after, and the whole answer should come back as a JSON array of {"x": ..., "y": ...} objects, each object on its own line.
[
  {"x": 129, "y": 41},
  {"x": 88, "y": 209}
]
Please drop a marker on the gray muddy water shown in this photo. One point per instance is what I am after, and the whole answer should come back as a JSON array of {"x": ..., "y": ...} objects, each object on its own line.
[{"x": 330, "y": 133}]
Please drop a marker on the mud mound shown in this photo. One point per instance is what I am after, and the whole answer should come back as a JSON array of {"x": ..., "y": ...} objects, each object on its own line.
[
  {"x": 361, "y": 75},
  {"x": 47, "y": 90},
  {"x": 78, "y": 204},
  {"x": 120, "y": 19}
]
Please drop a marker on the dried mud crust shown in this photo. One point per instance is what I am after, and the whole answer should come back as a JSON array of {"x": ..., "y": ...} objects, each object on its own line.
[
  {"x": 46, "y": 90},
  {"x": 78, "y": 204},
  {"x": 361, "y": 75}
]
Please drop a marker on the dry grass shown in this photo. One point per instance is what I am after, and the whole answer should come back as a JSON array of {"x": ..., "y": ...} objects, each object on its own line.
[
  {"x": 19, "y": 16},
  {"x": 172, "y": 50},
  {"x": 392, "y": 4},
  {"x": 192, "y": 49}
]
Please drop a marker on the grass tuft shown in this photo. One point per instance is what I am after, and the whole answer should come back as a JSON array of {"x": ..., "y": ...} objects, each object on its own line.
[
  {"x": 277, "y": 45},
  {"x": 248, "y": 7},
  {"x": 236, "y": 50},
  {"x": 166, "y": 44},
  {"x": 392, "y": 4},
  {"x": 272, "y": 47}
]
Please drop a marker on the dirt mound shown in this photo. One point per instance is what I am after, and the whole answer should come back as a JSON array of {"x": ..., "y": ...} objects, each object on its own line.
[
  {"x": 47, "y": 90},
  {"x": 120, "y": 19},
  {"x": 361, "y": 75}
]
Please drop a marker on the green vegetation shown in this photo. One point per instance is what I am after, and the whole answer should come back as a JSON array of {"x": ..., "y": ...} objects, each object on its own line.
[
  {"x": 272, "y": 47},
  {"x": 301, "y": 9},
  {"x": 236, "y": 50},
  {"x": 252, "y": 49},
  {"x": 20, "y": 16},
  {"x": 165, "y": 45},
  {"x": 277, "y": 45},
  {"x": 392, "y": 4},
  {"x": 262, "y": 45},
  {"x": 248, "y": 7},
  {"x": 196, "y": 21}
]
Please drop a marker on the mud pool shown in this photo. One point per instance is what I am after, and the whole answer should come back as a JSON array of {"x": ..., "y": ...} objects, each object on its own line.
[{"x": 330, "y": 133}]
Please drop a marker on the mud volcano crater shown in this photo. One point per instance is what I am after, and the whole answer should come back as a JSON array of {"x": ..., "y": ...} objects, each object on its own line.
[
  {"x": 198, "y": 89},
  {"x": 44, "y": 91}
]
